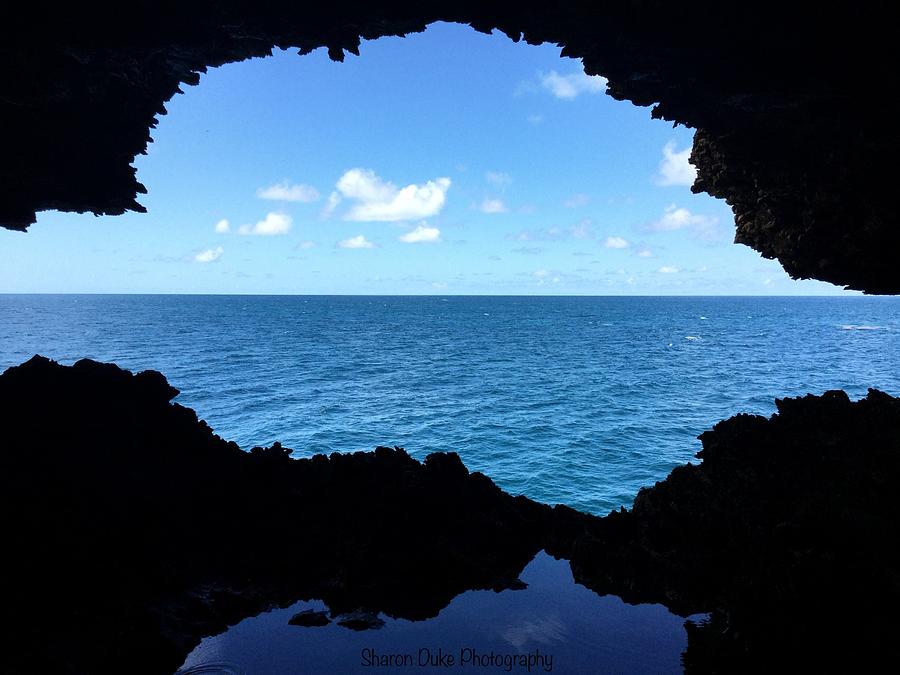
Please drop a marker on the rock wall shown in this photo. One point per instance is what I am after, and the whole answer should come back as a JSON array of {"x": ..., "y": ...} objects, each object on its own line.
[{"x": 131, "y": 531}]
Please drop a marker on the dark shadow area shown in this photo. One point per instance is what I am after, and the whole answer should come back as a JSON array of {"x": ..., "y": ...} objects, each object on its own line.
[
  {"x": 795, "y": 130},
  {"x": 132, "y": 531},
  {"x": 786, "y": 531}
]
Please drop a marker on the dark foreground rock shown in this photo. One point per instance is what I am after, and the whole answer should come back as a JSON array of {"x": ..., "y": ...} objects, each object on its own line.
[
  {"x": 131, "y": 531},
  {"x": 309, "y": 618},
  {"x": 787, "y": 531}
]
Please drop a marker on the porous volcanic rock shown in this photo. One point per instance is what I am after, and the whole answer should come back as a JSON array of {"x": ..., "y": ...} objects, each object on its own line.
[
  {"x": 132, "y": 530},
  {"x": 787, "y": 532},
  {"x": 795, "y": 128}
]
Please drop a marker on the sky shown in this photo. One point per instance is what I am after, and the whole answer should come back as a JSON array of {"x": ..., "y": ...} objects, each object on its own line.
[{"x": 447, "y": 162}]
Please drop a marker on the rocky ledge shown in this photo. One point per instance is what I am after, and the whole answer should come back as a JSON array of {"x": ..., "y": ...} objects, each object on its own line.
[
  {"x": 787, "y": 532},
  {"x": 131, "y": 531}
]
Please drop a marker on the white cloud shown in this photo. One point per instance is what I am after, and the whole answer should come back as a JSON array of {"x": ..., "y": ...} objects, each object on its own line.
[
  {"x": 576, "y": 200},
  {"x": 285, "y": 192},
  {"x": 678, "y": 218},
  {"x": 582, "y": 230},
  {"x": 379, "y": 200},
  {"x": 422, "y": 234},
  {"x": 535, "y": 119},
  {"x": 498, "y": 178},
  {"x": 209, "y": 255},
  {"x": 359, "y": 241},
  {"x": 668, "y": 269},
  {"x": 493, "y": 206},
  {"x": 675, "y": 169},
  {"x": 223, "y": 226},
  {"x": 645, "y": 253},
  {"x": 305, "y": 245},
  {"x": 616, "y": 242},
  {"x": 333, "y": 200},
  {"x": 273, "y": 224},
  {"x": 571, "y": 85}
]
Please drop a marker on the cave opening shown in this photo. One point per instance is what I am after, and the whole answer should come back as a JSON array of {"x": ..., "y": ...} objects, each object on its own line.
[
  {"x": 449, "y": 165},
  {"x": 134, "y": 520}
]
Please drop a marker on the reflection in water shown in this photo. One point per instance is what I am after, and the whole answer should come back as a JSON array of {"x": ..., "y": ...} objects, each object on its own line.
[{"x": 553, "y": 625}]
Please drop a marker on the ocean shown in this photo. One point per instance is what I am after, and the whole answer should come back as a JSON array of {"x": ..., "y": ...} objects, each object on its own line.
[{"x": 574, "y": 400}]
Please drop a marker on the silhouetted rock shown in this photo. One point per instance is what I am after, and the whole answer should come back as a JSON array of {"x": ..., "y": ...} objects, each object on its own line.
[
  {"x": 795, "y": 129},
  {"x": 361, "y": 619},
  {"x": 124, "y": 515},
  {"x": 131, "y": 531},
  {"x": 786, "y": 531},
  {"x": 310, "y": 618}
]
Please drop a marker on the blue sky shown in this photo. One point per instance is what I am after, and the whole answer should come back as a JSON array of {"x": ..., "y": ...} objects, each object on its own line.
[{"x": 446, "y": 162}]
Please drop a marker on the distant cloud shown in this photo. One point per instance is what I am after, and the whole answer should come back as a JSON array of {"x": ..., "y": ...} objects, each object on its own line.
[
  {"x": 675, "y": 169},
  {"x": 535, "y": 119},
  {"x": 223, "y": 226},
  {"x": 570, "y": 86},
  {"x": 286, "y": 192},
  {"x": 545, "y": 275},
  {"x": 668, "y": 269},
  {"x": 493, "y": 206},
  {"x": 273, "y": 224},
  {"x": 576, "y": 201},
  {"x": 379, "y": 200},
  {"x": 704, "y": 228},
  {"x": 359, "y": 241},
  {"x": 209, "y": 255},
  {"x": 582, "y": 230},
  {"x": 616, "y": 242},
  {"x": 421, "y": 235},
  {"x": 334, "y": 199},
  {"x": 645, "y": 253},
  {"x": 305, "y": 245},
  {"x": 498, "y": 178}
]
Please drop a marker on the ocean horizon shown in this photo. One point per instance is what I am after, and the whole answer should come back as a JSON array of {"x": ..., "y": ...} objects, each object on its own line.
[{"x": 580, "y": 400}]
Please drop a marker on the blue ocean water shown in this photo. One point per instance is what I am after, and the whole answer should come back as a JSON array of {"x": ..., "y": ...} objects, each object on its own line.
[{"x": 577, "y": 400}]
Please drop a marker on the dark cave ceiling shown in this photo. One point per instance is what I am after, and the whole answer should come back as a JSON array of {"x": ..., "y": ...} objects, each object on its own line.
[{"x": 794, "y": 110}]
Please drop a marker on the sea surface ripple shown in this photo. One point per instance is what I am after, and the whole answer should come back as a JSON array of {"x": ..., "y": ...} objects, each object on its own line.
[{"x": 574, "y": 400}]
